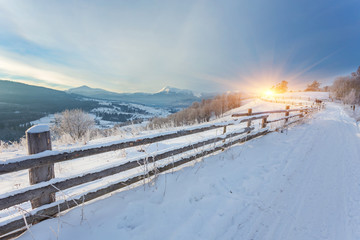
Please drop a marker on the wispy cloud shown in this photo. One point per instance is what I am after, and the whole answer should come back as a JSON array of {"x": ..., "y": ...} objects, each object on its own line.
[
  {"x": 142, "y": 46},
  {"x": 18, "y": 68}
]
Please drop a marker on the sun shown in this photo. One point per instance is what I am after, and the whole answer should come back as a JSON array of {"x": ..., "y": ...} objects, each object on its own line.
[{"x": 269, "y": 93}]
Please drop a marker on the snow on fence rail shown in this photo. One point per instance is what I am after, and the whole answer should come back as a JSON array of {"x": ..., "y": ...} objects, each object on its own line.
[
  {"x": 292, "y": 102},
  {"x": 48, "y": 187},
  {"x": 45, "y": 158},
  {"x": 287, "y": 110}
]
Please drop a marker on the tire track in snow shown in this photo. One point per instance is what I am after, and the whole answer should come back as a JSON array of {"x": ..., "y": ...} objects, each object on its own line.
[
  {"x": 319, "y": 183},
  {"x": 264, "y": 203}
]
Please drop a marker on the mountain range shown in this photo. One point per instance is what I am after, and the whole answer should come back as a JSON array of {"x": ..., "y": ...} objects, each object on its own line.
[
  {"x": 21, "y": 104},
  {"x": 166, "y": 97}
]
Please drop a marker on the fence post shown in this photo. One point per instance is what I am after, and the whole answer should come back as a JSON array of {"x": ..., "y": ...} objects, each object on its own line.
[
  {"x": 264, "y": 121},
  {"x": 38, "y": 140},
  {"x": 287, "y": 113},
  {"x": 249, "y": 114},
  {"x": 224, "y": 131}
]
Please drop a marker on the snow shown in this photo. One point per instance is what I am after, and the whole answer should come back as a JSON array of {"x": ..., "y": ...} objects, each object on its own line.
[
  {"x": 168, "y": 89},
  {"x": 40, "y": 128},
  {"x": 299, "y": 184},
  {"x": 112, "y": 107},
  {"x": 304, "y": 96},
  {"x": 49, "y": 119}
]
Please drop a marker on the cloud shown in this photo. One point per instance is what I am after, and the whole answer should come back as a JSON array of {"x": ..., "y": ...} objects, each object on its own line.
[
  {"x": 143, "y": 46},
  {"x": 127, "y": 48},
  {"x": 15, "y": 68}
]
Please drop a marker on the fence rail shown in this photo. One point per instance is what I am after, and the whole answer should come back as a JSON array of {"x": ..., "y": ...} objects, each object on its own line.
[
  {"x": 270, "y": 112},
  {"x": 17, "y": 225},
  {"x": 34, "y": 161}
]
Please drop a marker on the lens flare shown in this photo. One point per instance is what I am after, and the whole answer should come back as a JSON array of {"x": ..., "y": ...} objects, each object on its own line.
[{"x": 269, "y": 93}]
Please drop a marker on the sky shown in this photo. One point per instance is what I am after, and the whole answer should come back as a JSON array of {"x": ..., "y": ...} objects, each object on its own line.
[{"x": 201, "y": 45}]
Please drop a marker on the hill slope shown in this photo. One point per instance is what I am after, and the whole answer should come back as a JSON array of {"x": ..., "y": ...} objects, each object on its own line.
[
  {"x": 21, "y": 103},
  {"x": 35, "y": 98}
]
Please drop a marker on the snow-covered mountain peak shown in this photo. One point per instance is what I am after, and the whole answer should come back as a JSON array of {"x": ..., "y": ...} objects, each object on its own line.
[
  {"x": 84, "y": 87},
  {"x": 168, "y": 90}
]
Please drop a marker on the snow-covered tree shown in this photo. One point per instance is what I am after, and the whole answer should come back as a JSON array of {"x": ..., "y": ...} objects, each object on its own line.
[
  {"x": 350, "y": 98},
  {"x": 76, "y": 123},
  {"x": 347, "y": 88}
]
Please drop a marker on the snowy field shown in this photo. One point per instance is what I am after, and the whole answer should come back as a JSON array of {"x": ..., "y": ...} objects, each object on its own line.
[
  {"x": 303, "y": 95},
  {"x": 134, "y": 111},
  {"x": 299, "y": 184}
]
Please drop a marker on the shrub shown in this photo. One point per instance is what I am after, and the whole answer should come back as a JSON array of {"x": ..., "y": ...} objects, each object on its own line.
[{"x": 75, "y": 123}]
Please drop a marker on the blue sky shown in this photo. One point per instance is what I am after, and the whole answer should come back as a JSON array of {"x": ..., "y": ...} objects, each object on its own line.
[{"x": 129, "y": 46}]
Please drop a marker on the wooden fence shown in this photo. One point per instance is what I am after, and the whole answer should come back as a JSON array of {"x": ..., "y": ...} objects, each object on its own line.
[
  {"x": 290, "y": 101},
  {"x": 41, "y": 195}
]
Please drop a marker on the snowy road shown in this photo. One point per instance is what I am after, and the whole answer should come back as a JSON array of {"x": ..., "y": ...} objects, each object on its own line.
[
  {"x": 316, "y": 194},
  {"x": 301, "y": 184}
]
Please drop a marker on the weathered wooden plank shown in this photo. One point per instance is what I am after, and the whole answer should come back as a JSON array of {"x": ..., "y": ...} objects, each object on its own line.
[
  {"x": 264, "y": 122},
  {"x": 14, "y": 234},
  {"x": 72, "y": 182},
  {"x": 249, "y": 120},
  {"x": 290, "y": 123},
  {"x": 66, "y": 156},
  {"x": 38, "y": 142},
  {"x": 284, "y": 118},
  {"x": 270, "y": 112},
  {"x": 287, "y": 113},
  {"x": 53, "y": 210},
  {"x": 252, "y": 118}
]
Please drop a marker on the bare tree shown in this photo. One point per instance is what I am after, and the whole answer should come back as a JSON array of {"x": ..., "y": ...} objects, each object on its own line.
[
  {"x": 350, "y": 98},
  {"x": 76, "y": 123},
  {"x": 200, "y": 111},
  {"x": 281, "y": 87},
  {"x": 313, "y": 87},
  {"x": 347, "y": 88}
]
